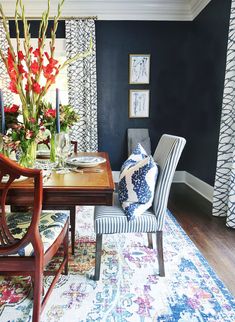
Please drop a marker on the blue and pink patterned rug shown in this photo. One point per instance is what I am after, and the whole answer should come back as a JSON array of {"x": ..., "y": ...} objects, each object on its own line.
[{"x": 129, "y": 288}]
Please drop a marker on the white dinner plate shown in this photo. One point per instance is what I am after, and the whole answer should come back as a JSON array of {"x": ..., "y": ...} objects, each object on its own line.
[{"x": 85, "y": 161}]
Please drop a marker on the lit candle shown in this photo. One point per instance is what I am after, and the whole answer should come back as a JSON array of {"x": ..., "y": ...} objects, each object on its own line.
[
  {"x": 57, "y": 111},
  {"x": 2, "y": 113}
]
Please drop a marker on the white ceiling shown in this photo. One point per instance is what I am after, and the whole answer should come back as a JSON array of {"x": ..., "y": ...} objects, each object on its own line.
[{"x": 115, "y": 9}]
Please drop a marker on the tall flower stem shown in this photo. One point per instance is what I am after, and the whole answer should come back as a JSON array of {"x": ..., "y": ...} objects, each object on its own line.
[{"x": 52, "y": 148}]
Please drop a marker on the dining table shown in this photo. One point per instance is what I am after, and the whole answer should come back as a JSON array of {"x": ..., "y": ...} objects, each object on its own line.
[{"x": 64, "y": 191}]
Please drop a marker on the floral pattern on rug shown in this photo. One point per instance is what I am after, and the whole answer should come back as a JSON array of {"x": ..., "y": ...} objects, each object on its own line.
[{"x": 129, "y": 288}]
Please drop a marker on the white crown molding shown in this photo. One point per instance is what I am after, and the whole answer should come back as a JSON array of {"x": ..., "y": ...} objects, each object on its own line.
[
  {"x": 165, "y": 10},
  {"x": 197, "y": 6}
]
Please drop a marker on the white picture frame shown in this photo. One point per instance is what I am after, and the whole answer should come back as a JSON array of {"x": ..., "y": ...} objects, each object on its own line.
[
  {"x": 139, "y": 103},
  {"x": 139, "y": 68}
]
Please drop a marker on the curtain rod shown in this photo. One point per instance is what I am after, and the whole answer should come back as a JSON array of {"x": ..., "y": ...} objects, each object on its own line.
[{"x": 52, "y": 18}]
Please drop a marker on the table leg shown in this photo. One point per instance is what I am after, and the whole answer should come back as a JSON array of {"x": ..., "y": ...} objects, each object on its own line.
[{"x": 73, "y": 226}]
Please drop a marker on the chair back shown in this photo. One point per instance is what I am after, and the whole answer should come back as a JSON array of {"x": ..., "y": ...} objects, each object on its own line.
[
  {"x": 135, "y": 136},
  {"x": 167, "y": 155},
  {"x": 9, "y": 172}
]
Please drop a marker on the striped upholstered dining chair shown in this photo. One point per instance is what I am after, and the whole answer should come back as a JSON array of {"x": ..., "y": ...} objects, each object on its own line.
[{"x": 111, "y": 220}]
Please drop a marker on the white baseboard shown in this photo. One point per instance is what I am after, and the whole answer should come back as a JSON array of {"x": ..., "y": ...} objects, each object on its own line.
[
  {"x": 196, "y": 184},
  {"x": 193, "y": 182}
]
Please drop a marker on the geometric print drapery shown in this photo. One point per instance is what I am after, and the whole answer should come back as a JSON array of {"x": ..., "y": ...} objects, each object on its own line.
[
  {"x": 82, "y": 82},
  {"x": 4, "y": 78},
  {"x": 224, "y": 189}
]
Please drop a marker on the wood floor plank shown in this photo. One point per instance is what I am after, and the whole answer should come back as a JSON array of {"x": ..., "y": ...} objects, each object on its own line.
[{"x": 210, "y": 234}]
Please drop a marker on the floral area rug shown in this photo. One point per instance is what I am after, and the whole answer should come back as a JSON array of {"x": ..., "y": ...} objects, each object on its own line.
[{"x": 129, "y": 288}]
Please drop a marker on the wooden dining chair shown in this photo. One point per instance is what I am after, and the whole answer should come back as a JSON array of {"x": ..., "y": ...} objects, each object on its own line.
[
  {"x": 28, "y": 241},
  {"x": 112, "y": 220}
]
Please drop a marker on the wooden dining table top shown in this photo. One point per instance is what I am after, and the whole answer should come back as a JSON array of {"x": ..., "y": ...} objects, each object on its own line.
[
  {"x": 99, "y": 176},
  {"x": 84, "y": 188}
]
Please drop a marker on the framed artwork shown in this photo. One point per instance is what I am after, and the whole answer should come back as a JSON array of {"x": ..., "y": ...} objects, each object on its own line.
[
  {"x": 139, "y": 69},
  {"x": 138, "y": 103}
]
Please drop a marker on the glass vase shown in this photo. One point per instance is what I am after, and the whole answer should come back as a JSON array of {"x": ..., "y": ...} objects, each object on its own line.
[
  {"x": 28, "y": 155},
  {"x": 52, "y": 148}
]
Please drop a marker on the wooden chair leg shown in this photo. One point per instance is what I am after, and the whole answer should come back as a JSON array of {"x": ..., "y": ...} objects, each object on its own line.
[
  {"x": 150, "y": 240},
  {"x": 98, "y": 252},
  {"x": 37, "y": 292},
  {"x": 160, "y": 253}
]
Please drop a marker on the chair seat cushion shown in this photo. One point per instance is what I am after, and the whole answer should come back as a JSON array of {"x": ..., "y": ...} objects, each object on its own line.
[
  {"x": 110, "y": 220},
  {"x": 50, "y": 226}
]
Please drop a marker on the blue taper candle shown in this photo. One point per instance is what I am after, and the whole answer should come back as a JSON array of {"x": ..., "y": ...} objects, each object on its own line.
[
  {"x": 3, "y": 127},
  {"x": 57, "y": 111}
]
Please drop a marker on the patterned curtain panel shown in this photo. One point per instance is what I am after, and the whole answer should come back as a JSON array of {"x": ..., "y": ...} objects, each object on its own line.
[
  {"x": 4, "y": 78},
  {"x": 82, "y": 84},
  {"x": 224, "y": 190}
]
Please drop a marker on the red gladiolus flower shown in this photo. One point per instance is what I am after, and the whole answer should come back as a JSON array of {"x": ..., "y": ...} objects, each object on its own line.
[
  {"x": 12, "y": 87},
  {"x": 47, "y": 71},
  {"x": 21, "y": 69},
  {"x": 27, "y": 87},
  {"x": 50, "y": 113},
  {"x": 52, "y": 79},
  {"x": 30, "y": 49},
  {"x": 11, "y": 109},
  {"x": 20, "y": 55},
  {"x": 36, "y": 88},
  {"x": 34, "y": 67},
  {"x": 12, "y": 74},
  {"x": 10, "y": 60},
  {"x": 51, "y": 60},
  {"x": 36, "y": 52}
]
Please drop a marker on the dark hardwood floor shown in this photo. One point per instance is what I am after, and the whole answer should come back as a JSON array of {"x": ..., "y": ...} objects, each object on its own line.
[{"x": 215, "y": 241}]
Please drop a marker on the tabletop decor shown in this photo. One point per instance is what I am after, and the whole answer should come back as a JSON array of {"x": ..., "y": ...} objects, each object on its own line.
[
  {"x": 54, "y": 124},
  {"x": 32, "y": 71}
]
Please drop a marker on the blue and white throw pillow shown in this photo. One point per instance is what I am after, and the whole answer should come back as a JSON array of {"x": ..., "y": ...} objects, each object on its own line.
[
  {"x": 138, "y": 154},
  {"x": 136, "y": 187}
]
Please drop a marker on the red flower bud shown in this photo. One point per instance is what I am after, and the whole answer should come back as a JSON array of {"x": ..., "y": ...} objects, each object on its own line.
[
  {"x": 32, "y": 120},
  {"x": 27, "y": 87},
  {"x": 20, "y": 55},
  {"x": 36, "y": 52}
]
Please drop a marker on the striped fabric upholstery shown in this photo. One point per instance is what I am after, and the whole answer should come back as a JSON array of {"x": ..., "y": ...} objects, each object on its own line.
[
  {"x": 167, "y": 155},
  {"x": 109, "y": 220}
]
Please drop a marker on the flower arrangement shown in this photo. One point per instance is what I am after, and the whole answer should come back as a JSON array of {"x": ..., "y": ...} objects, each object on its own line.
[{"x": 32, "y": 71}]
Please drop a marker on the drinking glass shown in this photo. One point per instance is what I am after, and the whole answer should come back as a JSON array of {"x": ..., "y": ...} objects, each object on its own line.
[{"x": 62, "y": 146}]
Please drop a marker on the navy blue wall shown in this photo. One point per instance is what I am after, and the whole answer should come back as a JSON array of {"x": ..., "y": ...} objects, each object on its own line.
[
  {"x": 186, "y": 87},
  {"x": 187, "y": 75}
]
